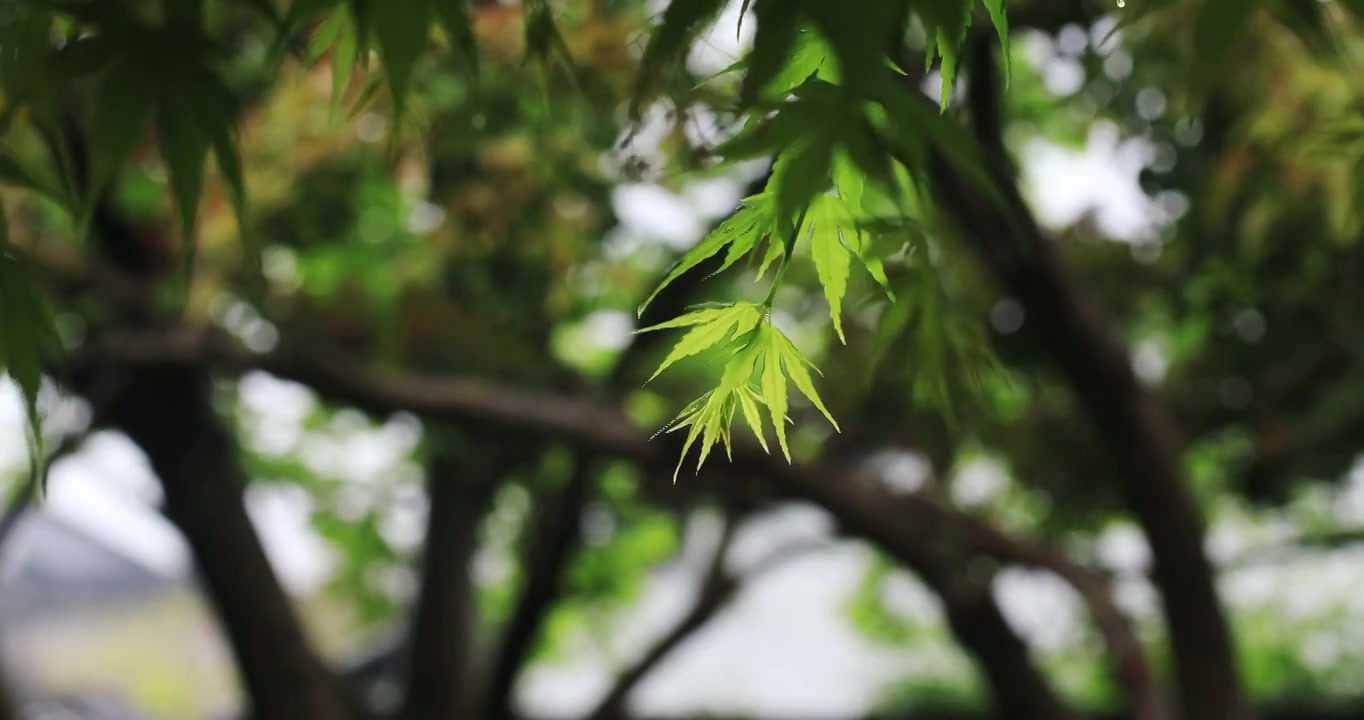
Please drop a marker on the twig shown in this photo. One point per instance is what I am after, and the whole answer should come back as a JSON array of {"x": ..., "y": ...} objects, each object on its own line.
[{"x": 718, "y": 588}]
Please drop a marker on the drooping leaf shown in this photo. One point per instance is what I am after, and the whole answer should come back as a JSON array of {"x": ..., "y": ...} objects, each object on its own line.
[
  {"x": 809, "y": 55},
  {"x": 27, "y": 334},
  {"x": 741, "y": 232},
  {"x": 325, "y": 37},
  {"x": 15, "y": 173},
  {"x": 683, "y": 418},
  {"x": 999, "y": 17},
  {"x": 857, "y": 40},
  {"x": 124, "y": 100},
  {"x": 682, "y": 21},
  {"x": 697, "y": 424},
  {"x": 344, "y": 57},
  {"x": 713, "y": 427},
  {"x": 833, "y": 261},
  {"x": 849, "y": 182},
  {"x": 697, "y": 317},
  {"x": 723, "y": 325},
  {"x": 748, "y": 405},
  {"x": 544, "y": 43},
  {"x": 800, "y": 173},
  {"x": 400, "y": 28},
  {"x": 758, "y": 225},
  {"x": 946, "y": 22},
  {"x": 184, "y": 146},
  {"x": 778, "y": 27},
  {"x": 776, "y": 250},
  {"x": 796, "y": 366},
  {"x": 456, "y": 19},
  {"x": 774, "y": 397}
]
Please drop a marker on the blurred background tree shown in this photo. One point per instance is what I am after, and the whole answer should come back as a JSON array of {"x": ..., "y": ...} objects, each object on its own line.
[{"x": 1081, "y": 301}]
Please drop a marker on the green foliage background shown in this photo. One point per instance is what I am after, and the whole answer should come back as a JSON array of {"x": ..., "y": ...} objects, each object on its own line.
[{"x": 420, "y": 184}]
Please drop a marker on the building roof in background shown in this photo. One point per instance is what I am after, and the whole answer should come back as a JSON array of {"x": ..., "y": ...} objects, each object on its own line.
[{"x": 49, "y": 566}]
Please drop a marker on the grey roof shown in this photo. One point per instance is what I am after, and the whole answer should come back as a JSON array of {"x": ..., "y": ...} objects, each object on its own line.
[
  {"x": 82, "y": 706},
  {"x": 48, "y": 567}
]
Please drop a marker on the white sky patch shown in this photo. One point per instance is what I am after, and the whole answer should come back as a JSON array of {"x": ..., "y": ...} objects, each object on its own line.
[
  {"x": 1063, "y": 185},
  {"x": 609, "y": 329},
  {"x": 724, "y": 43},
  {"x": 978, "y": 481},
  {"x": 1039, "y": 606},
  {"x": 281, "y": 516},
  {"x": 106, "y": 490},
  {"x": 657, "y": 213}
]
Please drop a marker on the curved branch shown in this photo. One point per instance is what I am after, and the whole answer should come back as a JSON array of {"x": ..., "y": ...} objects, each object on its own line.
[
  {"x": 717, "y": 587},
  {"x": 1129, "y": 666},
  {"x": 862, "y": 510},
  {"x": 594, "y": 428}
]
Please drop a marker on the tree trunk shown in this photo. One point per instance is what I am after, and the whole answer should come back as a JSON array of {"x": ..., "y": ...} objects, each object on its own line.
[
  {"x": 1136, "y": 431},
  {"x": 440, "y": 679},
  {"x": 554, "y": 542},
  {"x": 167, "y": 411}
]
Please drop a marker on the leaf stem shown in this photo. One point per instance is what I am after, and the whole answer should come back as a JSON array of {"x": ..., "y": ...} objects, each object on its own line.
[
  {"x": 785, "y": 261},
  {"x": 776, "y": 283}
]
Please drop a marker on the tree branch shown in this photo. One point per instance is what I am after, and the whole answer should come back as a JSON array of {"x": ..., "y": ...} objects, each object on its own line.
[
  {"x": 717, "y": 587},
  {"x": 863, "y": 511},
  {"x": 1131, "y": 671},
  {"x": 555, "y": 539}
]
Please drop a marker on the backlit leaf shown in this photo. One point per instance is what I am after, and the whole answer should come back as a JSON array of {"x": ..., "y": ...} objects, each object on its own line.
[
  {"x": 724, "y": 324},
  {"x": 748, "y": 405},
  {"x": 833, "y": 262},
  {"x": 774, "y": 396},
  {"x": 740, "y": 232},
  {"x": 795, "y": 364},
  {"x": 1000, "y": 19}
]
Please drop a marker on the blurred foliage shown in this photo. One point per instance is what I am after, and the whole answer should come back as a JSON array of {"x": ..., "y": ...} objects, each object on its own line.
[{"x": 438, "y": 187}]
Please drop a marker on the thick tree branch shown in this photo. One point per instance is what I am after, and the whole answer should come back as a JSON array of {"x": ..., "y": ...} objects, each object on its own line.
[
  {"x": 862, "y": 510},
  {"x": 441, "y": 641},
  {"x": 1135, "y": 430},
  {"x": 1131, "y": 671},
  {"x": 555, "y": 538}
]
